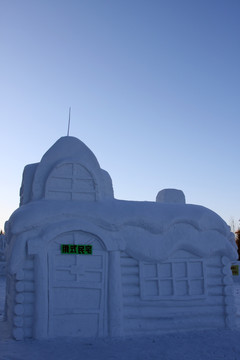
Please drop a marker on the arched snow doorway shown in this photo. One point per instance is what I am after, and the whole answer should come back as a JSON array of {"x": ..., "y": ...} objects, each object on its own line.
[{"x": 77, "y": 287}]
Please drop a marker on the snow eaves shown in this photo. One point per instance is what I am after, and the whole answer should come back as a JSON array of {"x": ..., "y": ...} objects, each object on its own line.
[{"x": 149, "y": 230}]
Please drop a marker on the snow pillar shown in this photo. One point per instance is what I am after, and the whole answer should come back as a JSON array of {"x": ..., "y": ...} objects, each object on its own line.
[
  {"x": 115, "y": 294},
  {"x": 40, "y": 329}
]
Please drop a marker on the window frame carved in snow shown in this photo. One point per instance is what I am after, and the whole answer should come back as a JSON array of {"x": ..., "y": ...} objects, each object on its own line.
[
  {"x": 75, "y": 182},
  {"x": 174, "y": 279}
]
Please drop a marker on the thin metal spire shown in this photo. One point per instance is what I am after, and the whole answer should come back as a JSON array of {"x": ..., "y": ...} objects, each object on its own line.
[{"x": 69, "y": 120}]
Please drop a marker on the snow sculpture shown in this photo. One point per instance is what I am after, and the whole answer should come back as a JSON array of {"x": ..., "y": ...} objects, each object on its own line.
[{"x": 81, "y": 263}]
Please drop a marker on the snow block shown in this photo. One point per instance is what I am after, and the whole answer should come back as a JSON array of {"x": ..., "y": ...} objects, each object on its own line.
[{"x": 172, "y": 196}]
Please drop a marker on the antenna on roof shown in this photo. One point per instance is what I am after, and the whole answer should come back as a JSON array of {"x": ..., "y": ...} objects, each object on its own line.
[{"x": 69, "y": 119}]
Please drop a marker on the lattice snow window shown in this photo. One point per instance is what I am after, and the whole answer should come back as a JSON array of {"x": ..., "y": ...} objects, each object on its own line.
[
  {"x": 177, "y": 278},
  {"x": 70, "y": 181}
]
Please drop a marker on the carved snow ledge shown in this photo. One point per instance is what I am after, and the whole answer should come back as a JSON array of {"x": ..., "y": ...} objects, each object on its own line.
[{"x": 181, "y": 236}]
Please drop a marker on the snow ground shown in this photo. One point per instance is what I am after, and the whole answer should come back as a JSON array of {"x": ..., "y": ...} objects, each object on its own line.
[{"x": 197, "y": 345}]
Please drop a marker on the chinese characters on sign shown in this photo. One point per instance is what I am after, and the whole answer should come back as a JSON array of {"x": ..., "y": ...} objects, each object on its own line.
[{"x": 76, "y": 249}]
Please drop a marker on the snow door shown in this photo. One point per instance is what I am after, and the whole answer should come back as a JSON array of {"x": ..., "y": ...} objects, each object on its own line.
[{"x": 77, "y": 287}]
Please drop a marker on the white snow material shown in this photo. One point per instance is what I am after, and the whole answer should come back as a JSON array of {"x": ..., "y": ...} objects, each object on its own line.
[
  {"x": 197, "y": 345},
  {"x": 166, "y": 227},
  {"x": 153, "y": 217},
  {"x": 154, "y": 267},
  {"x": 66, "y": 148},
  {"x": 66, "y": 151},
  {"x": 26, "y": 187},
  {"x": 171, "y": 196}
]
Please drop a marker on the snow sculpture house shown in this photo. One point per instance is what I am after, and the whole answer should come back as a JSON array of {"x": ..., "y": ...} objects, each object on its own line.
[{"x": 154, "y": 267}]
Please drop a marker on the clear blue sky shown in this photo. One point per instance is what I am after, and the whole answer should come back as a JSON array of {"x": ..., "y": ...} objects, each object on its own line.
[{"x": 154, "y": 87}]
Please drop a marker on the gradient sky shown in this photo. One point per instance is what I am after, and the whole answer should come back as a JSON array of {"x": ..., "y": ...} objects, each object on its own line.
[{"x": 154, "y": 87}]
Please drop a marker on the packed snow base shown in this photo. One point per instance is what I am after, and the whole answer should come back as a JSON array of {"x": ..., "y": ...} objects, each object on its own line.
[
  {"x": 197, "y": 345},
  {"x": 154, "y": 267}
]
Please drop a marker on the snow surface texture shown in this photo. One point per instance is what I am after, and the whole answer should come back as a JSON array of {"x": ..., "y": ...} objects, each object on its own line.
[
  {"x": 2, "y": 247},
  {"x": 201, "y": 345},
  {"x": 171, "y": 196},
  {"x": 154, "y": 268},
  {"x": 197, "y": 345}
]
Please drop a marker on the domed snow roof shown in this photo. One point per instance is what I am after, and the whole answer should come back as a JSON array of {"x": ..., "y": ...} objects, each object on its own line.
[{"x": 68, "y": 158}]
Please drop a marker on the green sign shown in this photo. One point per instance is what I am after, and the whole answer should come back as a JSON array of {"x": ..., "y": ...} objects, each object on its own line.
[
  {"x": 76, "y": 249},
  {"x": 235, "y": 270}
]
